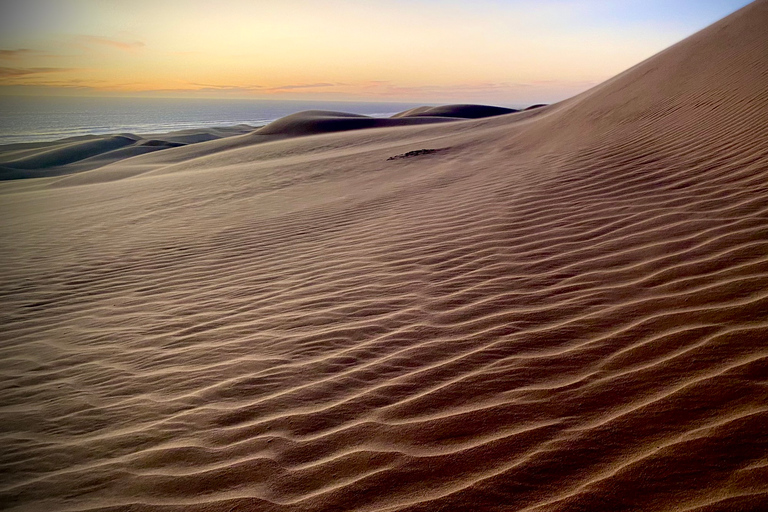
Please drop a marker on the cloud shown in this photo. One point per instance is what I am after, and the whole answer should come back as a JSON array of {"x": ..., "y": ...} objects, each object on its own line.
[
  {"x": 197, "y": 88},
  {"x": 6, "y": 72},
  {"x": 200, "y": 87},
  {"x": 225, "y": 87},
  {"x": 112, "y": 43},
  {"x": 300, "y": 86},
  {"x": 15, "y": 54},
  {"x": 503, "y": 93}
]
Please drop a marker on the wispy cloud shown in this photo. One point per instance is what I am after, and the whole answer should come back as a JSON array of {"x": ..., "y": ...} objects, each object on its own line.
[
  {"x": 292, "y": 87},
  {"x": 542, "y": 91},
  {"x": 7, "y": 72},
  {"x": 200, "y": 87},
  {"x": 16, "y": 54},
  {"x": 111, "y": 43},
  {"x": 225, "y": 86}
]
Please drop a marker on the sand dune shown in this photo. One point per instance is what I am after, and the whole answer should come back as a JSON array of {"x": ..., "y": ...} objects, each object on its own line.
[
  {"x": 456, "y": 111},
  {"x": 563, "y": 309},
  {"x": 312, "y": 122},
  {"x": 87, "y": 153},
  {"x": 77, "y": 154}
]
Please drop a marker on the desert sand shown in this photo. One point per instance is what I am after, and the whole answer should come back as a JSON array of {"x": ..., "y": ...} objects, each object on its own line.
[
  {"x": 562, "y": 309},
  {"x": 78, "y": 154}
]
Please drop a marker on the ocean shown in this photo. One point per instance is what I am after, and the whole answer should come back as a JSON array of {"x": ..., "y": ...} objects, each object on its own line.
[{"x": 36, "y": 119}]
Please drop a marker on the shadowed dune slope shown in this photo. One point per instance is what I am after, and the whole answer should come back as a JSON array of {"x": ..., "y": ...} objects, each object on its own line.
[
  {"x": 458, "y": 111},
  {"x": 312, "y": 122},
  {"x": 66, "y": 153},
  {"x": 564, "y": 309},
  {"x": 77, "y": 154}
]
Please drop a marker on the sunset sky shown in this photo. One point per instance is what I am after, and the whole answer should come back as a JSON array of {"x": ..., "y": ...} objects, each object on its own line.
[{"x": 502, "y": 51}]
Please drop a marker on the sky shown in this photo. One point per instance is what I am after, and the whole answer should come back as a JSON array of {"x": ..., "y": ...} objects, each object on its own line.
[{"x": 489, "y": 51}]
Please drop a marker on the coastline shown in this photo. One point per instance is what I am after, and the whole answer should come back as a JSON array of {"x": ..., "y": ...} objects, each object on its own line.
[{"x": 47, "y": 119}]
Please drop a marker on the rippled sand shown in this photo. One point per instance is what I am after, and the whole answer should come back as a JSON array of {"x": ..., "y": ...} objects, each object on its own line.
[{"x": 562, "y": 309}]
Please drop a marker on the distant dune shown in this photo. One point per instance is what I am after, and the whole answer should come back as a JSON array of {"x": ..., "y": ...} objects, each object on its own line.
[
  {"x": 560, "y": 309},
  {"x": 312, "y": 122},
  {"x": 456, "y": 111},
  {"x": 79, "y": 154},
  {"x": 66, "y": 156}
]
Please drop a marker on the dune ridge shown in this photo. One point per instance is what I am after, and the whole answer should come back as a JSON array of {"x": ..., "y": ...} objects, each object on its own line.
[
  {"x": 87, "y": 153},
  {"x": 456, "y": 111},
  {"x": 564, "y": 309}
]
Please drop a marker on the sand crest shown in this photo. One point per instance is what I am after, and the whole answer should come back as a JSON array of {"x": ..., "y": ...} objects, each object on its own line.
[{"x": 563, "y": 309}]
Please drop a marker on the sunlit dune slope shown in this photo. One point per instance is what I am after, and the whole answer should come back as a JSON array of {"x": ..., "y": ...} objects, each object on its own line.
[{"x": 563, "y": 309}]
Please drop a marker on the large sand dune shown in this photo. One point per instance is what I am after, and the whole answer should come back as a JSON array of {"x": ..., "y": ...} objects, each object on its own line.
[{"x": 564, "y": 309}]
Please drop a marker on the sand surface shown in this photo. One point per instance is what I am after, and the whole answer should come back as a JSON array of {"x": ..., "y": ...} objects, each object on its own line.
[
  {"x": 86, "y": 153},
  {"x": 562, "y": 309}
]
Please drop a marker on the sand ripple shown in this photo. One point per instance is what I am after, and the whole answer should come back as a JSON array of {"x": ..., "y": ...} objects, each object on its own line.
[{"x": 565, "y": 309}]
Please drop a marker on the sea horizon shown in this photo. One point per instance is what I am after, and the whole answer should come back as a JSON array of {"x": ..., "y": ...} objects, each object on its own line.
[{"x": 29, "y": 119}]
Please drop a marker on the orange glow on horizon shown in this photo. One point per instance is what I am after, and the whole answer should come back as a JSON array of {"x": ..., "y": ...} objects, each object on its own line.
[{"x": 336, "y": 49}]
